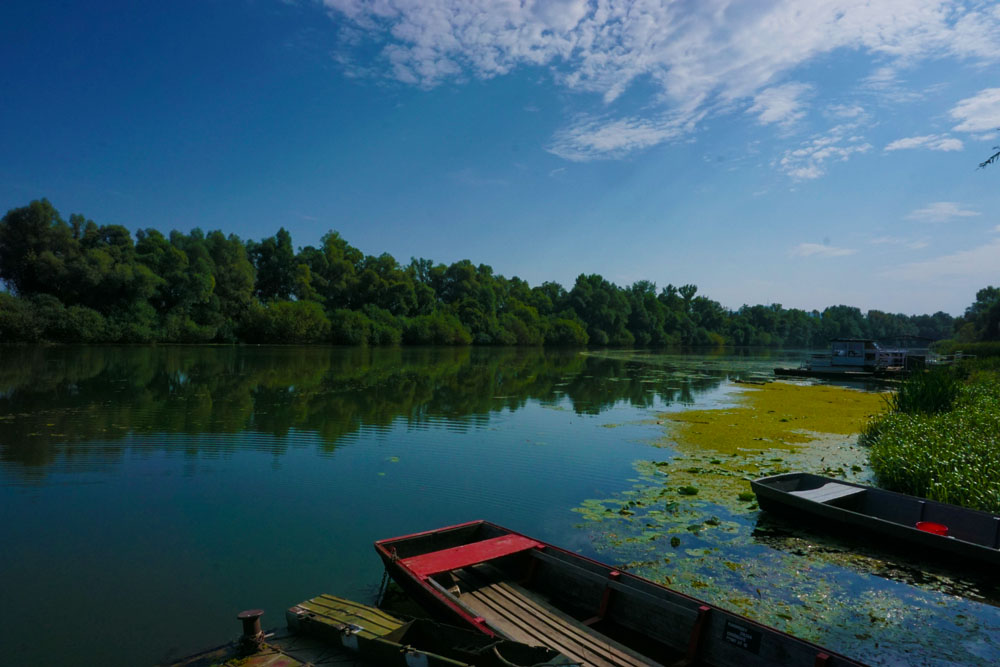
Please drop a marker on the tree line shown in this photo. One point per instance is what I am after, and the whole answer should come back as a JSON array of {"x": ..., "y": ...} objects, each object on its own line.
[{"x": 77, "y": 281}]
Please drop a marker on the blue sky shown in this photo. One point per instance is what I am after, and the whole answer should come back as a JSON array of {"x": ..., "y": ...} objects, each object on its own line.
[{"x": 802, "y": 153}]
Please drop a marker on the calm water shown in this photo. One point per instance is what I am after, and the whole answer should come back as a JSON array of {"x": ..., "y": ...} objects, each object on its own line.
[{"x": 149, "y": 494}]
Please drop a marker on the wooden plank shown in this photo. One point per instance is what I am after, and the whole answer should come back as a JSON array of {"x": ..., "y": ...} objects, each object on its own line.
[
  {"x": 538, "y": 628},
  {"x": 514, "y": 613},
  {"x": 331, "y": 610},
  {"x": 827, "y": 492},
  {"x": 435, "y": 562}
]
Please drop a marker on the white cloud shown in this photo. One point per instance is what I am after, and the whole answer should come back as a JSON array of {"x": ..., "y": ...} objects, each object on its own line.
[
  {"x": 934, "y": 142},
  {"x": 780, "y": 104},
  {"x": 819, "y": 250},
  {"x": 979, "y": 113},
  {"x": 709, "y": 54},
  {"x": 979, "y": 262},
  {"x": 846, "y": 110},
  {"x": 837, "y": 144},
  {"x": 941, "y": 211}
]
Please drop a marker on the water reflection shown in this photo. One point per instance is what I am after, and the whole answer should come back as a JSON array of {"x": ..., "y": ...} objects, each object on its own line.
[{"x": 54, "y": 399}]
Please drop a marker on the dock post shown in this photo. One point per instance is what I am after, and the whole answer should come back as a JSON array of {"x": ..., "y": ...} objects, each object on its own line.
[{"x": 252, "y": 636}]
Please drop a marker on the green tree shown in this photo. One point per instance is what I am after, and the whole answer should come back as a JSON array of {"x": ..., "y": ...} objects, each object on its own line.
[{"x": 274, "y": 260}]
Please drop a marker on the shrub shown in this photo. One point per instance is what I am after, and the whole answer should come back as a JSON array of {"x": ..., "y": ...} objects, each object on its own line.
[{"x": 349, "y": 327}]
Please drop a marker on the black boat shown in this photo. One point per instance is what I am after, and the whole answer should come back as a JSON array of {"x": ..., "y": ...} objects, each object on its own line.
[{"x": 969, "y": 534}]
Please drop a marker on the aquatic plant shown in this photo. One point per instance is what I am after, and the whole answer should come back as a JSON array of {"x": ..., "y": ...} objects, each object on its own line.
[
  {"x": 926, "y": 392},
  {"x": 948, "y": 456}
]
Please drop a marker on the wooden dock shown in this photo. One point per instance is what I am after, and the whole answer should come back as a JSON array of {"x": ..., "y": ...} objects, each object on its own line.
[{"x": 280, "y": 650}]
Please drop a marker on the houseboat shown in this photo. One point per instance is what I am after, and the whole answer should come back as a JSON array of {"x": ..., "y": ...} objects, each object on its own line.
[{"x": 858, "y": 358}]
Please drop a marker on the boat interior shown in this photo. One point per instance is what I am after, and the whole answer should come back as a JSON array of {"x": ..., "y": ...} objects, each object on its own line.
[{"x": 587, "y": 611}]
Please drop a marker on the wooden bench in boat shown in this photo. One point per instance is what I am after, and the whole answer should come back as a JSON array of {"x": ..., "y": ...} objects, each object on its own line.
[
  {"x": 517, "y": 614},
  {"x": 828, "y": 492}
]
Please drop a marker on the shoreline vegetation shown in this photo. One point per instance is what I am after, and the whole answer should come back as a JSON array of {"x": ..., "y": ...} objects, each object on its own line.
[
  {"x": 941, "y": 435},
  {"x": 79, "y": 282}
]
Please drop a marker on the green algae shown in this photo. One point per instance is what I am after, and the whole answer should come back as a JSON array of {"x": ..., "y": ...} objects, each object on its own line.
[{"x": 774, "y": 415}]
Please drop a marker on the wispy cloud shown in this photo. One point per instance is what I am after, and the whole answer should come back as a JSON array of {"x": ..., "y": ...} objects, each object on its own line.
[
  {"x": 979, "y": 262},
  {"x": 780, "y": 104},
  {"x": 592, "y": 138},
  {"x": 934, "y": 142},
  {"x": 941, "y": 211},
  {"x": 699, "y": 56},
  {"x": 471, "y": 178},
  {"x": 810, "y": 159},
  {"x": 819, "y": 250},
  {"x": 909, "y": 244},
  {"x": 979, "y": 113}
]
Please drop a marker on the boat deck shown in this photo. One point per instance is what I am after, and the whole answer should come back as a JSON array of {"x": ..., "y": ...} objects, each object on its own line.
[
  {"x": 829, "y": 492},
  {"x": 521, "y": 616}
]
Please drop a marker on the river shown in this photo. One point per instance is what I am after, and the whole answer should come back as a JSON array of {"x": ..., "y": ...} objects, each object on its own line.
[{"x": 148, "y": 494}]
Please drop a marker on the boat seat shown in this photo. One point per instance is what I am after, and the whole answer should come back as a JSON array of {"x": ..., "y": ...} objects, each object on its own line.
[
  {"x": 828, "y": 492},
  {"x": 446, "y": 560}
]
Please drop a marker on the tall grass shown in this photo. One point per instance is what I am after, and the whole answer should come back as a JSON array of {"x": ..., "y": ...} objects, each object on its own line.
[
  {"x": 951, "y": 455},
  {"x": 926, "y": 392}
]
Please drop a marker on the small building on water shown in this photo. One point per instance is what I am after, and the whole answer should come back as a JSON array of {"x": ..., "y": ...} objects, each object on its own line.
[{"x": 860, "y": 354}]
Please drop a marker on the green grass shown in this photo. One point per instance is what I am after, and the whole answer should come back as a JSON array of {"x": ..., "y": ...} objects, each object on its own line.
[
  {"x": 950, "y": 455},
  {"x": 927, "y": 392}
]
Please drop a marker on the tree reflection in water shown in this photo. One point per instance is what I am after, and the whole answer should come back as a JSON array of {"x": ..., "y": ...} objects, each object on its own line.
[{"x": 53, "y": 399}]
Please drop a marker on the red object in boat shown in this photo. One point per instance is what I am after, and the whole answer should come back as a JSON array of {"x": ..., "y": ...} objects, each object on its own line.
[{"x": 931, "y": 527}]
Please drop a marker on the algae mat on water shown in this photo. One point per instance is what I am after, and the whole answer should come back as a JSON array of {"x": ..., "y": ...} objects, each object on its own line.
[
  {"x": 691, "y": 522},
  {"x": 774, "y": 415}
]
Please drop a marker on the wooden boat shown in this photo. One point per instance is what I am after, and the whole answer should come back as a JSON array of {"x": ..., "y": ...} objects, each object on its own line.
[
  {"x": 508, "y": 585},
  {"x": 970, "y": 535}
]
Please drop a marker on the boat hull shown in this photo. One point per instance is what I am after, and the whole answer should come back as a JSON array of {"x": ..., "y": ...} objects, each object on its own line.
[
  {"x": 860, "y": 376},
  {"x": 888, "y": 516}
]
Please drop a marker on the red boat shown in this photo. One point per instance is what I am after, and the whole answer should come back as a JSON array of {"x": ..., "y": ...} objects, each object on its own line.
[{"x": 511, "y": 586}]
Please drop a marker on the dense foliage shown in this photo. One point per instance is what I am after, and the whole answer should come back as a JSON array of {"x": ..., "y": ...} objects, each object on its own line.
[
  {"x": 77, "y": 281},
  {"x": 940, "y": 440}
]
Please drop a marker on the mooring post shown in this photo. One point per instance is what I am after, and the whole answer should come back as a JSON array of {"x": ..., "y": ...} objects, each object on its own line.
[{"x": 252, "y": 633}]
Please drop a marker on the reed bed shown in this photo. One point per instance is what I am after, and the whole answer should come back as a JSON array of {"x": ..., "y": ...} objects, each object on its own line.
[{"x": 941, "y": 440}]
